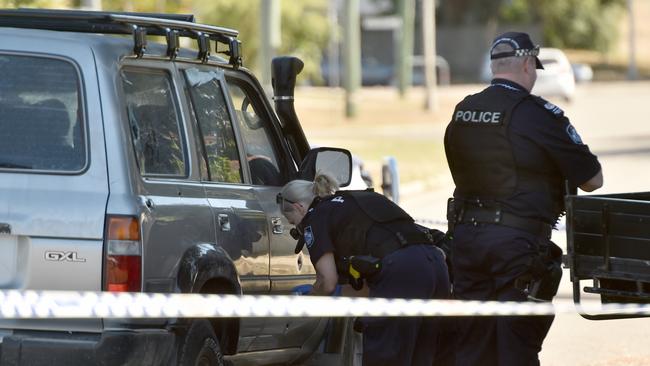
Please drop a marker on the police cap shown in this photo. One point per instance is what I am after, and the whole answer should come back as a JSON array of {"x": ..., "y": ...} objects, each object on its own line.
[{"x": 522, "y": 46}]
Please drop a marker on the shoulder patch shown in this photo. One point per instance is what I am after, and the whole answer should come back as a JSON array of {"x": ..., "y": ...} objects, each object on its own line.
[
  {"x": 308, "y": 234},
  {"x": 550, "y": 107},
  {"x": 338, "y": 199},
  {"x": 553, "y": 108},
  {"x": 573, "y": 135}
]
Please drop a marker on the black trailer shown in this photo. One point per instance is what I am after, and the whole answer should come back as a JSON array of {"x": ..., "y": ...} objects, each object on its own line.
[{"x": 608, "y": 242}]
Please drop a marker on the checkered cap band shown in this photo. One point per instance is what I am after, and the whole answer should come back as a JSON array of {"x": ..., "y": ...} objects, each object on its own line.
[
  {"x": 532, "y": 52},
  {"x": 516, "y": 53}
]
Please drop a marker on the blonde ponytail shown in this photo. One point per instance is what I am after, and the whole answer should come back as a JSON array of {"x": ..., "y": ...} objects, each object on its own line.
[
  {"x": 324, "y": 185},
  {"x": 303, "y": 191}
]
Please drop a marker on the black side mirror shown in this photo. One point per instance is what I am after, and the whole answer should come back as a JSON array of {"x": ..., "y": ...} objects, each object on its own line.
[{"x": 331, "y": 160}]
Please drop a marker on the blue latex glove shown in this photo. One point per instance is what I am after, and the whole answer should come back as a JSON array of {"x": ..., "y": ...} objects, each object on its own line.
[
  {"x": 306, "y": 289},
  {"x": 337, "y": 290},
  {"x": 302, "y": 289}
]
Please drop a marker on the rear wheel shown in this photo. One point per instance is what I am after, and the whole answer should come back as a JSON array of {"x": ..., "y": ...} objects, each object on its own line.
[{"x": 200, "y": 346}]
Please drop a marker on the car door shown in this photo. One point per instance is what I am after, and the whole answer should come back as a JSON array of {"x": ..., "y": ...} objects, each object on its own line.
[
  {"x": 269, "y": 166},
  {"x": 240, "y": 221}
]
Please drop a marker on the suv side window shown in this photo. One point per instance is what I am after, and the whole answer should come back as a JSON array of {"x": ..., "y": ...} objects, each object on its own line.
[
  {"x": 257, "y": 135},
  {"x": 211, "y": 112},
  {"x": 41, "y": 116},
  {"x": 154, "y": 123}
]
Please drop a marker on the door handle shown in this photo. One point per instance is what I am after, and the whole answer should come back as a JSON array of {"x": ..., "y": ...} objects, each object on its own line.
[
  {"x": 224, "y": 222},
  {"x": 276, "y": 223}
]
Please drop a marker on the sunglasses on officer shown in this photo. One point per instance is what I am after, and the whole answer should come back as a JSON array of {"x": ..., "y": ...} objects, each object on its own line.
[{"x": 285, "y": 204}]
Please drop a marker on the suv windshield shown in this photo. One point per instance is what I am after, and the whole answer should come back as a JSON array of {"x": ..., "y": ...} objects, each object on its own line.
[{"x": 40, "y": 116}]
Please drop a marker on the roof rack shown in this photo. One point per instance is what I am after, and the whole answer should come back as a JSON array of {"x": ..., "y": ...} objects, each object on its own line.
[{"x": 171, "y": 26}]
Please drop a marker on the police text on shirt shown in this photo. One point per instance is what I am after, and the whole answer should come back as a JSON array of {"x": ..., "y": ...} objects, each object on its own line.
[{"x": 490, "y": 117}]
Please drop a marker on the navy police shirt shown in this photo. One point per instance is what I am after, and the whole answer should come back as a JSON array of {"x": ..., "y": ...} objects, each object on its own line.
[
  {"x": 545, "y": 143},
  {"x": 324, "y": 219}
]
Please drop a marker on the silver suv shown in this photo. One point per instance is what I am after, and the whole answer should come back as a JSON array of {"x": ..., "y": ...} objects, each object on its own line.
[{"x": 128, "y": 165}]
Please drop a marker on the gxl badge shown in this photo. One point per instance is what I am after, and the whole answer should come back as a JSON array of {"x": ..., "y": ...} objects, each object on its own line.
[{"x": 63, "y": 257}]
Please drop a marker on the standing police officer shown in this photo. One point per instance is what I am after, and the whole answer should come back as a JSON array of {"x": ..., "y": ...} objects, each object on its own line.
[
  {"x": 512, "y": 156},
  {"x": 367, "y": 232}
]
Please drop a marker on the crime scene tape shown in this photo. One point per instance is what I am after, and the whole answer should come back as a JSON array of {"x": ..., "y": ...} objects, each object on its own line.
[{"x": 61, "y": 304}]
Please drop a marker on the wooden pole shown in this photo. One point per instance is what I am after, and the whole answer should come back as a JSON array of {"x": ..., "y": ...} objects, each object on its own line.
[
  {"x": 352, "y": 57},
  {"x": 429, "y": 49}
]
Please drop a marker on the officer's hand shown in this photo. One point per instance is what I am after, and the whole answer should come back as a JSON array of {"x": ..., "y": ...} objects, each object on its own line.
[
  {"x": 302, "y": 289},
  {"x": 337, "y": 290}
]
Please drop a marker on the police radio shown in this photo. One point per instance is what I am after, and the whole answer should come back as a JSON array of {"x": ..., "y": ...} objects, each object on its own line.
[{"x": 360, "y": 267}]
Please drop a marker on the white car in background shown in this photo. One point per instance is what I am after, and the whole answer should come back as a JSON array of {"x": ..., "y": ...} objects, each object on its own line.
[{"x": 556, "y": 79}]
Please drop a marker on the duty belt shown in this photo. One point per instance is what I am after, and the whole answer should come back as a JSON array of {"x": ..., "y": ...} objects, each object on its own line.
[{"x": 478, "y": 215}]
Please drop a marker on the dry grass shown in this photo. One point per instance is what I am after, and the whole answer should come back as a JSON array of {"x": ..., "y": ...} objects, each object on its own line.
[{"x": 386, "y": 125}]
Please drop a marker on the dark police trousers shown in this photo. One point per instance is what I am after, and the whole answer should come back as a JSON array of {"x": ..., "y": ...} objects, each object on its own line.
[
  {"x": 416, "y": 271},
  {"x": 487, "y": 259}
]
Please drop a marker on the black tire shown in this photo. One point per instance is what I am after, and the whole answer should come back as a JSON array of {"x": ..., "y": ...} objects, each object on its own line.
[
  {"x": 353, "y": 346},
  {"x": 200, "y": 346}
]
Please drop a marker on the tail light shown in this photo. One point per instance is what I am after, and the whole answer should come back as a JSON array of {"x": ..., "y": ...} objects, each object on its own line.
[{"x": 123, "y": 259}]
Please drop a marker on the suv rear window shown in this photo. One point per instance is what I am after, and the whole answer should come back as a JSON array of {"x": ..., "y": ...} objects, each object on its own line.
[
  {"x": 215, "y": 126},
  {"x": 41, "y": 119},
  {"x": 155, "y": 127}
]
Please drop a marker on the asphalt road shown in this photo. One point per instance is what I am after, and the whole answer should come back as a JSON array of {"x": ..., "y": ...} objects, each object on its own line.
[{"x": 612, "y": 119}]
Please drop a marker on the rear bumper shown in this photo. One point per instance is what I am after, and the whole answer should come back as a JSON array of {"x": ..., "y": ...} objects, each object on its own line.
[{"x": 149, "y": 347}]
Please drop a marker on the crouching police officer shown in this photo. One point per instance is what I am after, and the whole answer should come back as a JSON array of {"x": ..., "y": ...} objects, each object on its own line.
[
  {"x": 510, "y": 154},
  {"x": 361, "y": 235}
]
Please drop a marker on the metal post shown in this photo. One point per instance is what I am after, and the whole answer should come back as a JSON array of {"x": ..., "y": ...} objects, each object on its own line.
[
  {"x": 632, "y": 72},
  {"x": 429, "y": 49},
  {"x": 161, "y": 6},
  {"x": 404, "y": 59},
  {"x": 390, "y": 179},
  {"x": 333, "y": 46},
  {"x": 352, "y": 56},
  {"x": 270, "y": 39},
  {"x": 128, "y": 5},
  {"x": 91, "y": 4}
]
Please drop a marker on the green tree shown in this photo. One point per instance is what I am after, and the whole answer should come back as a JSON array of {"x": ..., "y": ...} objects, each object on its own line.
[
  {"x": 582, "y": 24},
  {"x": 161, "y": 6},
  {"x": 305, "y": 32},
  {"x": 35, "y": 4},
  {"x": 242, "y": 15},
  {"x": 305, "y": 28},
  {"x": 459, "y": 12}
]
